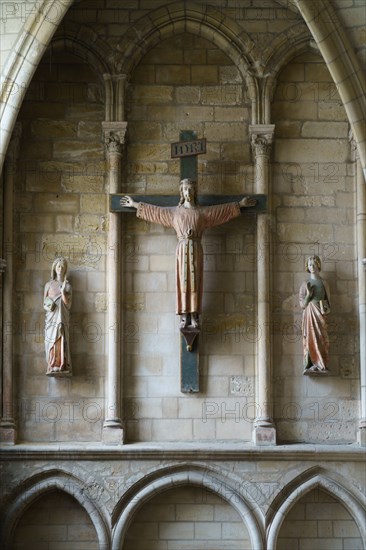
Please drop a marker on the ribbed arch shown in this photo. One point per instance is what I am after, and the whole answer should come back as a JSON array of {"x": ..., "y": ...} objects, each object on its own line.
[
  {"x": 283, "y": 53},
  {"x": 84, "y": 43},
  {"x": 177, "y": 18}
]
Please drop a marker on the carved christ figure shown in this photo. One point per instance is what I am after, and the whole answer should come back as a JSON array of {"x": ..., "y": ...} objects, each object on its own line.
[{"x": 189, "y": 221}]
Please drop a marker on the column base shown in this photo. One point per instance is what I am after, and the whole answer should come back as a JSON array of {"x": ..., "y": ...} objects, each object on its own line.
[
  {"x": 8, "y": 434},
  {"x": 361, "y": 436},
  {"x": 113, "y": 433},
  {"x": 264, "y": 434}
]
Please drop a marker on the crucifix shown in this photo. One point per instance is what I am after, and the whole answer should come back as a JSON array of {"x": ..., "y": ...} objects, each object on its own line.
[{"x": 189, "y": 218}]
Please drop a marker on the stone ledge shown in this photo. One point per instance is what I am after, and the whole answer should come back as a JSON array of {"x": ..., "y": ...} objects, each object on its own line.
[{"x": 225, "y": 450}]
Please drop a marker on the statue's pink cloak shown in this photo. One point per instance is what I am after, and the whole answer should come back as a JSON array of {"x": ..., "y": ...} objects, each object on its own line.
[
  {"x": 189, "y": 225},
  {"x": 315, "y": 329}
]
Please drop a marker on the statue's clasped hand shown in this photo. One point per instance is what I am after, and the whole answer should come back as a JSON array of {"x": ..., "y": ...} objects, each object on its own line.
[{"x": 309, "y": 289}]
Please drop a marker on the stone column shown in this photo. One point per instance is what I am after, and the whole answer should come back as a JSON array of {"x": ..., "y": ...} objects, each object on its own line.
[
  {"x": 113, "y": 431},
  {"x": 361, "y": 266},
  {"x": 264, "y": 429},
  {"x": 7, "y": 423}
]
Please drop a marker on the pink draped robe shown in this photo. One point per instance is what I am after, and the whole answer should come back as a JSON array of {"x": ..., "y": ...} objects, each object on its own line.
[
  {"x": 315, "y": 328},
  {"x": 189, "y": 225}
]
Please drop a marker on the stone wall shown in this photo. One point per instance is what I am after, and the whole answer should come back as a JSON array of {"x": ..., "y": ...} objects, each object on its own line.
[
  {"x": 314, "y": 211},
  {"x": 61, "y": 201},
  {"x": 55, "y": 521},
  {"x": 208, "y": 96},
  {"x": 61, "y": 207},
  {"x": 187, "y": 518},
  {"x": 144, "y": 498},
  {"x": 319, "y": 521}
]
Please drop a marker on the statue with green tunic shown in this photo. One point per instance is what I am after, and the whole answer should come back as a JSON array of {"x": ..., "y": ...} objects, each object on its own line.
[{"x": 314, "y": 299}]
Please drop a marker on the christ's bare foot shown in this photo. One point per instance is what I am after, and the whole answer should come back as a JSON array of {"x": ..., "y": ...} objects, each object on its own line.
[
  {"x": 183, "y": 321},
  {"x": 195, "y": 320}
]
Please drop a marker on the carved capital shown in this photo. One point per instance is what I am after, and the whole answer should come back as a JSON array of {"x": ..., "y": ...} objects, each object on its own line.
[
  {"x": 261, "y": 138},
  {"x": 261, "y": 145},
  {"x": 114, "y": 136}
]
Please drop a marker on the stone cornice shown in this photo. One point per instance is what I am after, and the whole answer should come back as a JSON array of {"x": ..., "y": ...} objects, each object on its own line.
[{"x": 190, "y": 451}]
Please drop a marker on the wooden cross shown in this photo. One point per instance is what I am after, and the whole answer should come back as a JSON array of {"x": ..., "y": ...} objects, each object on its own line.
[{"x": 187, "y": 150}]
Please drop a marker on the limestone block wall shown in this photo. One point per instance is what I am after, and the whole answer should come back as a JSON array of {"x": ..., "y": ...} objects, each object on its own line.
[
  {"x": 187, "y": 517},
  {"x": 314, "y": 211},
  {"x": 188, "y": 83},
  {"x": 55, "y": 521},
  {"x": 319, "y": 521},
  {"x": 61, "y": 208},
  {"x": 351, "y": 14}
]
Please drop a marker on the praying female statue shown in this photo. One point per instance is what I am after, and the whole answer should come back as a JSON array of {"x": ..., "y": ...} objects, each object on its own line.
[
  {"x": 57, "y": 303},
  {"x": 189, "y": 221},
  {"x": 314, "y": 299}
]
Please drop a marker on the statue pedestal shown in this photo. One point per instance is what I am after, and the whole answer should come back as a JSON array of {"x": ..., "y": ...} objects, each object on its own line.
[{"x": 59, "y": 374}]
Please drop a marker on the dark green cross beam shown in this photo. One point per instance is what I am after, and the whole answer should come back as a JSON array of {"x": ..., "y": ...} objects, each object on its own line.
[{"x": 187, "y": 150}]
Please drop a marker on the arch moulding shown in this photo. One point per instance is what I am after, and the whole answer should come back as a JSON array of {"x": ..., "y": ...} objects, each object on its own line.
[
  {"x": 183, "y": 475},
  {"x": 342, "y": 63},
  {"x": 41, "y": 484},
  {"x": 303, "y": 484},
  {"x": 204, "y": 21},
  {"x": 21, "y": 64}
]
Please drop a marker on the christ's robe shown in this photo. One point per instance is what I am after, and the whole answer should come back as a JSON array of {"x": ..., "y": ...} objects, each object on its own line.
[{"x": 189, "y": 225}]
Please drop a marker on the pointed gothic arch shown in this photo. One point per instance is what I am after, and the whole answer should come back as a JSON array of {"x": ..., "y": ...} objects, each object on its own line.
[
  {"x": 84, "y": 43},
  {"x": 39, "y": 485},
  {"x": 178, "y": 476},
  {"x": 203, "y": 21},
  {"x": 22, "y": 63},
  {"x": 209, "y": 23},
  {"x": 304, "y": 483},
  {"x": 282, "y": 55},
  {"x": 343, "y": 65}
]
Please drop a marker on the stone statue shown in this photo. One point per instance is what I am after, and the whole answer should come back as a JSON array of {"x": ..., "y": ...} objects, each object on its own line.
[
  {"x": 57, "y": 303},
  {"x": 314, "y": 298},
  {"x": 189, "y": 221}
]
